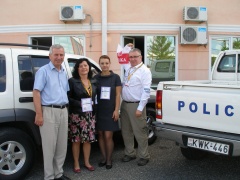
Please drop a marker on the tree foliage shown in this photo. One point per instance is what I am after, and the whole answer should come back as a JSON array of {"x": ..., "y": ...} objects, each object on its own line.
[
  {"x": 236, "y": 44},
  {"x": 224, "y": 45},
  {"x": 160, "y": 48}
]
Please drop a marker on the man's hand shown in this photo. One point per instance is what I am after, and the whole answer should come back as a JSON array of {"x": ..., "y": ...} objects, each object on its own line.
[
  {"x": 138, "y": 113},
  {"x": 38, "y": 120},
  {"x": 130, "y": 45},
  {"x": 38, "y": 107}
]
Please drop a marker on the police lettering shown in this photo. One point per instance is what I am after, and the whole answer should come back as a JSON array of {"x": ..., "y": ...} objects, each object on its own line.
[{"x": 194, "y": 107}]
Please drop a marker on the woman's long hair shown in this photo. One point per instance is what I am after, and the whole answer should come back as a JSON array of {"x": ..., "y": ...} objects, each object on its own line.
[{"x": 75, "y": 69}]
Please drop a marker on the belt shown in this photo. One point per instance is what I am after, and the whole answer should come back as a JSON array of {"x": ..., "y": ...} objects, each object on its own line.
[
  {"x": 131, "y": 102},
  {"x": 56, "y": 106}
]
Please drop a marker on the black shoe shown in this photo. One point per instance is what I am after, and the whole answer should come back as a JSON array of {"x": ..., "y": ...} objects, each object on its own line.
[
  {"x": 109, "y": 166},
  {"x": 127, "y": 158},
  {"x": 101, "y": 164},
  {"x": 142, "y": 162},
  {"x": 63, "y": 177}
]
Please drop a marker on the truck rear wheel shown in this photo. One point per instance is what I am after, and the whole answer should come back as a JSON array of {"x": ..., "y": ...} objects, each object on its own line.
[
  {"x": 151, "y": 117},
  {"x": 16, "y": 154},
  {"x": 193, "y": 154}
]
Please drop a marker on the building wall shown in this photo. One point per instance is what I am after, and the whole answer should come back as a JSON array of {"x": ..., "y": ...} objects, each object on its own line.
[{"x": 25, "y": 18}]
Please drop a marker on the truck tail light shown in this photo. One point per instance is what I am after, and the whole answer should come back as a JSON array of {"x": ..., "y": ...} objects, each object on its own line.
[{"x": 159, "y": 104}]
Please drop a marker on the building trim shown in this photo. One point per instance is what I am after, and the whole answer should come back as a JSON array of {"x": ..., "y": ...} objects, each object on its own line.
[{"x": 110, "y": 27}]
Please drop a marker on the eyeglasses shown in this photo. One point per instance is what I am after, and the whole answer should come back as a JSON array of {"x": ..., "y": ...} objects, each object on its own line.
[{"x": 134, "y": 56}]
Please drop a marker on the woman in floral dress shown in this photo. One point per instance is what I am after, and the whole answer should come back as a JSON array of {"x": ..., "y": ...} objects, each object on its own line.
[{"x": 81, "y": 112}]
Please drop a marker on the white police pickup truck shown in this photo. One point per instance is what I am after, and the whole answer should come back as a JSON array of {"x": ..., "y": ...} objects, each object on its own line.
[
  {"x": 203, "y": 116},
  {"x": 19, "y": 136}
]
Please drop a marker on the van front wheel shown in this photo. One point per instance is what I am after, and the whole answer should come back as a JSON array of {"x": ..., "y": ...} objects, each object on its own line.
[{"x": 16, "y": 154}]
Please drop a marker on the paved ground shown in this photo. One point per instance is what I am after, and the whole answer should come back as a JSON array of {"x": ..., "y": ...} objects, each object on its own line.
[{"x": 166, "y": 163}]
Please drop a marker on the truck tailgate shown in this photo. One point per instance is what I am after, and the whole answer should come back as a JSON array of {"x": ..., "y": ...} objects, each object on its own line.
[{"x": 205, "y": 106}]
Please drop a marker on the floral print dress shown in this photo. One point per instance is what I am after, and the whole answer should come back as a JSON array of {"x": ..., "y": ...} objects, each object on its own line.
[
  {"x": 81, "y": 124},
  {"x": 82, "y": 128}
]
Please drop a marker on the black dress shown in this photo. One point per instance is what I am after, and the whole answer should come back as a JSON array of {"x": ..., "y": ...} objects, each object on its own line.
[{"x": 106, "y": 107}]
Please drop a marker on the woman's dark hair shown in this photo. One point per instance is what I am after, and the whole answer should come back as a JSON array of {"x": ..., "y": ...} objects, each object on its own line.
[
  {"x": 75, "y": 69},
  {"x": 104, "y": 57}
]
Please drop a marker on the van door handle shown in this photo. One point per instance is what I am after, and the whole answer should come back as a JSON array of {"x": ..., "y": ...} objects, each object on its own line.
[{"x": 25, "y": 99}]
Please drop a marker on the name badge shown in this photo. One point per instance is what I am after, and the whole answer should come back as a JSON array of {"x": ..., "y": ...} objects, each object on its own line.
[
  {"x": 86, "y": 104},
  {"x": 105, "y": 92}
]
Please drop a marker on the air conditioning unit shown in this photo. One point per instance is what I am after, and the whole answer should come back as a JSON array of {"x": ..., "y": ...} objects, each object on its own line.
[
  {"x": 193, "y": 35},
  {"x": 195, "y": 13},
  {"x": 71, "y": 13}
]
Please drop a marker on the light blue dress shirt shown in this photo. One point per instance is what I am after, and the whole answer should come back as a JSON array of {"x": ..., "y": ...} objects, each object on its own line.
[{"x": 52, "y": 84}]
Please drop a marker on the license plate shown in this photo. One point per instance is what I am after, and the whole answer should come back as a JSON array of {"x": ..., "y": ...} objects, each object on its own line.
[{"x": 208, "y": 145}]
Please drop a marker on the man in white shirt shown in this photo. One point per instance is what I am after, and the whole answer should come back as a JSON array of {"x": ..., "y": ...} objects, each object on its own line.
[{"x": 135, "y": 95}]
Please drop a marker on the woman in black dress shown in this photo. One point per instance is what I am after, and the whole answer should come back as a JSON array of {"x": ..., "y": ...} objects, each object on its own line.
[{"x": 108, "y": 97}]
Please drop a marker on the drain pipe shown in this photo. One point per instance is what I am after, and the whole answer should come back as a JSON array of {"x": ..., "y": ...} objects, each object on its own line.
[{"x": 104, "y": 26}]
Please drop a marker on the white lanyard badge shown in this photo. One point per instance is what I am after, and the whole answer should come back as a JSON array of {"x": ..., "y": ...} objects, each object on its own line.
[
  {"x": 86, "y": 104},
  {"x": 105, "y": 92}
]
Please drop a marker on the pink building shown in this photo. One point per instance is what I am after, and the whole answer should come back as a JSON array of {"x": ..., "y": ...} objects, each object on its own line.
[{"x": 189, "y": 31}]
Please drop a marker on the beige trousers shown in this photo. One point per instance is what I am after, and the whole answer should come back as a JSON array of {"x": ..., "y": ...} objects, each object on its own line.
[
  {"x": 134, "y": 126},
  {"x": 54, "y": 133}
]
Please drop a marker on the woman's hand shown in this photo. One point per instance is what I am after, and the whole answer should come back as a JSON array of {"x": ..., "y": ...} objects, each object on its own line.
[{"x": 115, "y": 115}]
